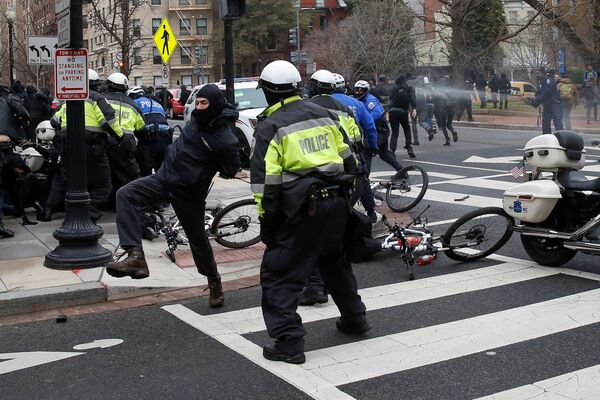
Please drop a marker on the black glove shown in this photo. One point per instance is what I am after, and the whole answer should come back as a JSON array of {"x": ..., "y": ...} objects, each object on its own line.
[
  {"x": 374, "y": 151},
  {"x": 268, "y": 231}
]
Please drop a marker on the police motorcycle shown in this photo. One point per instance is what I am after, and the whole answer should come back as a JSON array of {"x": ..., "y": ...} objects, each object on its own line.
[{"x": 558, "y": 208}]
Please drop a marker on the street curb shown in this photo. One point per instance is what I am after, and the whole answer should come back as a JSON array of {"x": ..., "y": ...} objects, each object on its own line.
[
  {"x": 485, "y": 125},
  {"x": 28, "y": 301}
]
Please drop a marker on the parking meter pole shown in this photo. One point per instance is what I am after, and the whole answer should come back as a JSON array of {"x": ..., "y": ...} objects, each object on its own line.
[
  {"x": 78, "y": 236},
  {"x": 229, "y": 61}
]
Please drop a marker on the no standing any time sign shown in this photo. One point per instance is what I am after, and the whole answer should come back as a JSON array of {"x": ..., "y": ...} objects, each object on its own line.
[{"x": 71, "y": 74}]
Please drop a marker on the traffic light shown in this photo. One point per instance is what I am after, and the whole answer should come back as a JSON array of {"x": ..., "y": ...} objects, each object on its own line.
[
  {"x": 232, "y": 9},
  {"x": 122, "y": 66},
  {"x": 293, "y": 37}
]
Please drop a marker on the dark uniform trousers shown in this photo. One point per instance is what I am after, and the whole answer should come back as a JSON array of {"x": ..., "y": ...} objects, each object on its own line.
[
  {"x": 551, "y": 112},
  {"x": 98, "y": 182},
  {"x": 300, "y": 244},
  {"x": 123, "y": 164},
  {"x": 151, "y": 191}
]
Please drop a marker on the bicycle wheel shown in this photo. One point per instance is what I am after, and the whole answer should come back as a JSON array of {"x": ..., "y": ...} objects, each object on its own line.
[
  {"x": 237, "y": 225},
  {"x": 407, "y": 188},
  {"x": 478, "y": 234}
]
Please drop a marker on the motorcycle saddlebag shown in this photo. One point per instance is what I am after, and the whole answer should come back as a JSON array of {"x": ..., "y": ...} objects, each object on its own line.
[{"x": 531, "y": 201}]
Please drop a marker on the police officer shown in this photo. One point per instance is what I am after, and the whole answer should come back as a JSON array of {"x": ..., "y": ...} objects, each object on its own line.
[
  {"x": 122, "y": 156},
  {"x": 301, "y": 170},
  {"x": 207, "y": 145},
  {"x": 368, "y": 143},
  {"x": 382, "y": 92},
  {"x": 152, "y": 144},
  {"x": 374, "y": 107},
  {"x": 100, "y": 125},
  {"x": 548, "y": 97}
]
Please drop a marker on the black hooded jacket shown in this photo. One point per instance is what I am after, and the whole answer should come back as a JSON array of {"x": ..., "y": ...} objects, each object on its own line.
[{"x": 193, "y": 160}]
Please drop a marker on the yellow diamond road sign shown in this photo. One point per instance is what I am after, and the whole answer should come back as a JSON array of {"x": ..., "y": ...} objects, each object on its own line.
[{"x": 165, "y": 40}]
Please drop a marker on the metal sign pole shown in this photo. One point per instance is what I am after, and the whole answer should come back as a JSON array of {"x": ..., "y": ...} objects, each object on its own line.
[{"x": 78, "y": 236}]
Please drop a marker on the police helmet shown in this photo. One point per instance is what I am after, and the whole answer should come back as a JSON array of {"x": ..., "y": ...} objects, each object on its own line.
[
  {"x": 118, "y": 82},
  {"x": 361, "y": 88},
  {"x": 93, "y": 77},
  {"x": 323, "y": 80},
  {"x": 340, "y": 82},
  {"x": 135, "y": 92},
  {"x": 279, "y": 77},
  {"x": 32, "y": 158},
  {"x": 44, "y": 131}
]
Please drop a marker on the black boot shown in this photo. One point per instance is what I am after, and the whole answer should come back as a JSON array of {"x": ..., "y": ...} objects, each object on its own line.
[
  {"x": 133, "y": 265},
  {"x": 372, "y": 216},
  {"x": 358, "y": 326},
  {"x": 271, "y": 352},
  {"x": 311, "y": 296},
  {"x": 45, "y": 215},
  {"x": 5, "y": 232},
  {"x": 216, "y": 297}
]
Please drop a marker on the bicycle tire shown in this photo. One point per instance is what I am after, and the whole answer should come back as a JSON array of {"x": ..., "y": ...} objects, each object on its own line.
[
  {"x": 502, "y": 223},
  {"x": 403, "y": 183},
  {"x": 247, "y": 219}
]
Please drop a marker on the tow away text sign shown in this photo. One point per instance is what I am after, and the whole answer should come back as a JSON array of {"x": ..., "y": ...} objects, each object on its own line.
[{"x": 71, "y": 74}]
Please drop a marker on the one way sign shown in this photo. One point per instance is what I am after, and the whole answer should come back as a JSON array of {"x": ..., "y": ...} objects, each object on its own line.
[{"x": 40, "y": 49}]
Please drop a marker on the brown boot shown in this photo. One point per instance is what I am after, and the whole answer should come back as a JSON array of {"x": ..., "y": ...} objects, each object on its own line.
[
  {"x": 134, "y": 265},
  {"x": 216, "y": 297}
]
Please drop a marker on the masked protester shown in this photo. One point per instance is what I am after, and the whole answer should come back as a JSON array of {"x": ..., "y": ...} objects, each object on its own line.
[{"x": 207, "y": 145}]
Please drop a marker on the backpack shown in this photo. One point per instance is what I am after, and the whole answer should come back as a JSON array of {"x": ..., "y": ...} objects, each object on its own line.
[
  {"x": 401, "y": 97},
  {"x": 567, "y": 93}
]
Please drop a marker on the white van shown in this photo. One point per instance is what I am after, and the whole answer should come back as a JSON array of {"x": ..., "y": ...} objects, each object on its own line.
[{"x": 250, "y": 103}]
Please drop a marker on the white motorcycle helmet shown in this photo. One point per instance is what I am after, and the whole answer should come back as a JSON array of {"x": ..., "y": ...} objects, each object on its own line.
[
  {"x": 280, "y": 77},
  {"x": 44, "y": 131},
  {"x": 340, "y": 82},
  {"x": 323, "y": 80},
  {"x": 93, "y": 76},
  {"x": 118, "y": 82},
  {"x": 32, "y": 158},
  {"x": 361, "y": 88},
  {"x": 135, "y": 92}
]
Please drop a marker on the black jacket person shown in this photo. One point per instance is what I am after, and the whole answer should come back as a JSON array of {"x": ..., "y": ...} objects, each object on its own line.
[
  {"x": 207, "y": 145},
  {"x": 300, "y": 170}
]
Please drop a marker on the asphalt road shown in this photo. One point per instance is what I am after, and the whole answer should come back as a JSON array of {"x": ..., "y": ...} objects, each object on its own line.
[{"x": 459, "y": 331}]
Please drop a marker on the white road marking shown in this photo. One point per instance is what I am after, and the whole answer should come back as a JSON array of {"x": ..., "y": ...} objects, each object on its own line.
[
  {"x": 449, "y": 198},
  {"x": 18, "y": 361},
  {"x": 577, "y": 385},
  {"x": 375, "y": 298},
  {"x": 302, "y": 379},
  {"x": 457, "y": 166},
  {"x": 370, "y": 358},
  {"x": 98, "y": 344},
  {"x": 482, "y": 183},
  {"x": 494, "y": 160},
  {"x": 379, "y": 174}
]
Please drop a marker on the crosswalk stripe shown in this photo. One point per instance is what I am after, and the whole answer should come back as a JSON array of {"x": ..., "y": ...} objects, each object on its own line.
[
  {"x": 435, "y": 174},
  {"x": 577, "y": 385},
  {"x": 481, "y": 183},
  {"x": 375, "y": 298},
  {"x": 406, "y": 350},
  {"x": 450, "y": 198},
  {"x": 302, "y": 379}
]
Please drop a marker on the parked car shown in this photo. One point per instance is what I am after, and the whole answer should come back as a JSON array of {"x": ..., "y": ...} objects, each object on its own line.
[
  {"x": 250, "y": 102},
  {"x": 55, "y": 104},
  {"x": 176, "y": 108},
  {"x": 520, "y": 88}
]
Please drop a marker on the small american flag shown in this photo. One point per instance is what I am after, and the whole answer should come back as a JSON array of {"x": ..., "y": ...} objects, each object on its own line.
[{"x": 518, "y": 169}]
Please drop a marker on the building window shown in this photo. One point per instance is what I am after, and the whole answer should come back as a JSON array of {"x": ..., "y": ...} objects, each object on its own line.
[
  {"x": 137, "y": 27},
  {"x": 156, "y": 2},
  {"x": 158, "y": 81},
  {"x": 186, "y": 80},
  {"x": 201, "y": 26},
  {"x": 271, "y": 41},
  {"x": 323, "y": 22},
  {"x": 184, "y": 2},
  {"x": 86, "y": 44},
  {"x": 512, "y": 17},
  {"x": 200, "y": 2},
  {"x": 254, "y": 70},
  {"x": 320, "y": 3},
  {"x": 186, "y": 51},
  {"x": 238, "y": 70},
  {"x": 156, "y": 59},
  {"x": 184, "y": 27},
  {"x": 155, "y": 25},
  {"x": 202, "y": 55},
  {"x": 103, "y": 62},
  {"x": 137, "y": 55},
  {"x": 202, "y": 79},
  {"x": 138, "y": 81}
]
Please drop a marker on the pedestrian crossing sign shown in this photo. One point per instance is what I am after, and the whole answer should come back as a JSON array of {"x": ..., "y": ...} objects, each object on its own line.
[{"x": 165, "y": 40}]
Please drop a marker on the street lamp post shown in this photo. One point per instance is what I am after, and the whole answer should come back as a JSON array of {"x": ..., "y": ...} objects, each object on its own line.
[{"x": 10, "y": 16}]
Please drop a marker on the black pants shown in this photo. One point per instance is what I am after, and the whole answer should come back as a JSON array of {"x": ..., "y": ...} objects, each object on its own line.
[
  {"x": 151, "y": 153},
  {"x": 551, "y": 113},
  {"x": 397, "y": 118},
  {"x": 504, "y": 100},
  {"x": 444, "y": 117},
  {"x": 383, "y": 147},
  {"x": 98, "y": 183},
  {"x": 465, "y": 104},
  {"x": 151, "y": 191},
  {"x": 123, "y": 164},
  {"x": 299, "y": 245},
  {"x": 481, "y": 94}
]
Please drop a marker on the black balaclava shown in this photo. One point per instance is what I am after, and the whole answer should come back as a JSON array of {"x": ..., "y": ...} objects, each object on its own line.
[{"x": 216, "y": 104}]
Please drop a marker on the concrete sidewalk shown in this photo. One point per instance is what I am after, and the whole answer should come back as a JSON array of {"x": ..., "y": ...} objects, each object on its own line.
[{"x": 27, "y": 286}]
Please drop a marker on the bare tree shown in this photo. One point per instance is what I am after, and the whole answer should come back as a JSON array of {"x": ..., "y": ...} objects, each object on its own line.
[
  {"x": 333, "y": 50},
  {"x": 118, "y": 19},
  {"x": 527, "y": 51}
]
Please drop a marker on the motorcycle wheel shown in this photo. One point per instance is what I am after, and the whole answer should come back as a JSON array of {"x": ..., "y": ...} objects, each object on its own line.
[{"x": 545, "y": 251}]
